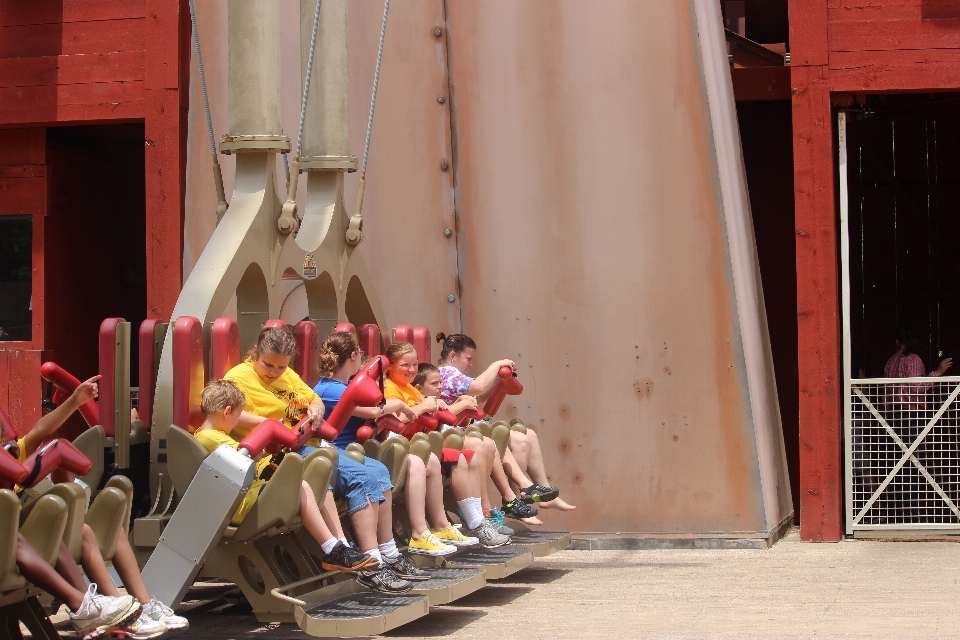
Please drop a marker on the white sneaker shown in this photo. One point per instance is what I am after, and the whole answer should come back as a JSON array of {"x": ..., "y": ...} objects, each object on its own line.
[
  {"x": 160, "y": 612},
  {"x": 102, "y": 614},
  {"x": 145, "y": 627}
]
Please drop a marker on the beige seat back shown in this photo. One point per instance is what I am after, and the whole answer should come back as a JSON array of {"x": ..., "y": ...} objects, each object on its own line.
[
  {"x": 517, "y": 425},
  {"x": 371, "y": 448},
  {"x": 436, "y": 442},
  {"x": 421, "y": 448},
  {"x": 356, "y": 452},
  {"x": 9, "y": 522},
  {"x": 74, "y": 496},
  {"x": 453, "y": 440},
  {"x": 91, "y": 443},
  {"x": 44, "y": 527},
  {"x": 331, "y": 453},
  {"x": 106, "y": 517},
  {"x": 317, "y": 472},
  {"x": 124, "y": 484},
  {"x": 184, "y": 457},
  {"x": 394, "y": 457},
  {"x": 279, "y": 501}
]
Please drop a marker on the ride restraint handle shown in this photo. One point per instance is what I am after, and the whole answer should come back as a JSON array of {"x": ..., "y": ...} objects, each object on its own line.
[
  {"x": 507, "y": 384},
  {"x": 11, "y": 471},
  {"x": 66, "y": 384},
  {"x": 469, "y": 414},
  {"x": 56, "y": 454},
  {"x": 266, "y": 432}
]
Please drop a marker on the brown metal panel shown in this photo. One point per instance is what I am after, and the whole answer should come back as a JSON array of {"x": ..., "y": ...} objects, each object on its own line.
[
  {"x": 593, "y": 252},
  {"x": 408, "y": 200}
]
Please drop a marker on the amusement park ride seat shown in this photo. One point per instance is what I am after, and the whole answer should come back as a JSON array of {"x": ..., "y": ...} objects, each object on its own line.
[
  {"x": 267, "y": 555},
  {"x": 43, "y": 527}
]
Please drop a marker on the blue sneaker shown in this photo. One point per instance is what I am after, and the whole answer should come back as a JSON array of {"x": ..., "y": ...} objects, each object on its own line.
[{"x": 496, "y": 517}]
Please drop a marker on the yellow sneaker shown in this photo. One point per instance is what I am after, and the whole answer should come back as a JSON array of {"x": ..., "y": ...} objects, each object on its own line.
[
  {"x": 429, "y": 545},
  {"x": 452, "y": 535}
]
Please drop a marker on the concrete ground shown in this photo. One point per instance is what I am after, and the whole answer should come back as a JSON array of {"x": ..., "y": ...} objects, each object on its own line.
[{"x": 854, "y": 588}]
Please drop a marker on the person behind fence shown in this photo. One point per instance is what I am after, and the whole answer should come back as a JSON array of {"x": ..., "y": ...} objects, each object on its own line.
[{"x": 907, "y": 407}]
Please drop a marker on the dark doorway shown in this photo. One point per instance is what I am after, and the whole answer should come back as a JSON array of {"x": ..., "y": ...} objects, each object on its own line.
[
  {"x": 904, "y": 185},
  {"x": 766, "y": 134},
  {"x": 95, "y": 242}
]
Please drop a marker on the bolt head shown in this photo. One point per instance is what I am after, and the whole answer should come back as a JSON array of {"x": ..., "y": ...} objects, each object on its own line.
[
  {"x": 444, "y": 166},
  {"x": 447, "y": 232},
  {"x": 438, "y": 32},
  {"x": 451, "y": 298},
  {"x": 441, "y": 99}
]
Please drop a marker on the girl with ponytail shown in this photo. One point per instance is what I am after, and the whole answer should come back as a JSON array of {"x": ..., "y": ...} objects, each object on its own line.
[{"x": 457, "y": 352}]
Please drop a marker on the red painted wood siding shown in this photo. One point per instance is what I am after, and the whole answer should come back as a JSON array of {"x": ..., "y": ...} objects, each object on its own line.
[
  {"x": 72, "y": 61},
  {"x": 844, "y": 46},
  {"x": 893, "y": 45},
  {"x": 92, "y": 62}
]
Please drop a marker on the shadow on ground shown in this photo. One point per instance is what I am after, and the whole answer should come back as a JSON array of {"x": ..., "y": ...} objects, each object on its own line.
[
  {"x": 492, "y": 595},
  {"x": 442, "y": 621},
  {"x": 533, "y": 575}
]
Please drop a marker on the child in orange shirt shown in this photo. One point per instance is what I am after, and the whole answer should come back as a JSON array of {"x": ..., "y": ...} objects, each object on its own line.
[{"x": 464, "y": 480}]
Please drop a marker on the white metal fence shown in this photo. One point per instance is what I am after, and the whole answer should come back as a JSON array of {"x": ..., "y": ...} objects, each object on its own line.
[{"x": 903, "y": 454}]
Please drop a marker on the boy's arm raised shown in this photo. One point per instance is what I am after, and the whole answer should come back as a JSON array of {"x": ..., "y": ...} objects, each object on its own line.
[{"x": 48, "y": 424}]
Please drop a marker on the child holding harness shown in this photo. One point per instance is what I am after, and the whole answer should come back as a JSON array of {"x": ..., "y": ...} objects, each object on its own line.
[
  {"x": 222, "y": 403},
  {"x": 456, "y": 358},
  {"x": 429, "y": 384},
  {"x": 274, "y": 390},
  {"x": 399, "y": 385},
  {"x": 140, "y": 616}
]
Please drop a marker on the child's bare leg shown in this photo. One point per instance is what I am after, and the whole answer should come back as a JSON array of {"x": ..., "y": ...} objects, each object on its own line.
[
  {"x": 365, "y": 527},
  {"x": 484, "y": 457},
  {"x": 330, "y": 516},
  {"x": 529, "y": 458},
  {"x": 36, "y": 570},
  {"x": 70, "y": 572},
  {"x": 515, "y": 470},
  {"x": 516, "y": 458},
  {"x": 499, "y": 476},
  {"x": 437, "y": 515},
  {"x": 415, "y": 495},
  {"x": 94, "y": 565},
  {"x": 310, "y": 515},
  {"x": 385, "y": 518},
  {"x": 125, "y": 562},
  {"x": 503, "y": 484}
]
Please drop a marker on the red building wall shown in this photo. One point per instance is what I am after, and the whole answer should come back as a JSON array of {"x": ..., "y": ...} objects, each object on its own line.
[
  {"x": 77, "y": 62},
  {"x": 837, "y": 48}
]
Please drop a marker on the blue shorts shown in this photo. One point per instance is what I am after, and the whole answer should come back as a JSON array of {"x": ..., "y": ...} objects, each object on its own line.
[{"x": 360, "y": 484}]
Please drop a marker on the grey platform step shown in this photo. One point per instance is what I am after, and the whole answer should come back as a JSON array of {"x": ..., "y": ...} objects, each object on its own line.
[
  {"x": 497, "y": 563},
  {"x": 446, "y": 584},
  {"x": 361, "y": 613},
  {"x": 543, "y": 543}
]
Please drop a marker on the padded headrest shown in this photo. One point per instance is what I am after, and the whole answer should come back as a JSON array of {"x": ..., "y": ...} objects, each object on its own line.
[
  {"x": 9, "y": 521},
  {"x": 184, "y": 457}
]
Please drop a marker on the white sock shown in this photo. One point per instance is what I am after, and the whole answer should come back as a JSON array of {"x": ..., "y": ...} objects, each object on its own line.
[
  {"x": 375, "y": 554},
  {"x": 329, "y": 545},
  {"x": 389, "y": 549},
  {"x": 472, "y": 512},
  {"x": 344, "y": 541}
]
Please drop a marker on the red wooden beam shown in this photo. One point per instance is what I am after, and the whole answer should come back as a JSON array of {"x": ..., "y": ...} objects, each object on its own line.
[
  {"x": 167, "y": 79},
  {"x": 821, "y": 480}
]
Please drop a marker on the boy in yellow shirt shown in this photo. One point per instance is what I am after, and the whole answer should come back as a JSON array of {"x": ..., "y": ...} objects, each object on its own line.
[{"x": 222, "y": 403}]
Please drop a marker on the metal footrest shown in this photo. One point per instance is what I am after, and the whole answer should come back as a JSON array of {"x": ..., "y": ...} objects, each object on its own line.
[
  {"x": 543, "y": 543},
  {"x": 446, "y": 585},
  {"x": 360, "y": 613},
  {"x": 497, "y": 563}
]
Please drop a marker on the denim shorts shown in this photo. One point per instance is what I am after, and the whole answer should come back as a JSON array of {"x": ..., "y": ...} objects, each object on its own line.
[{"x": 360, "y": 484}]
